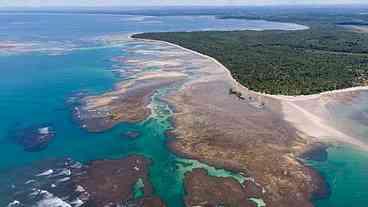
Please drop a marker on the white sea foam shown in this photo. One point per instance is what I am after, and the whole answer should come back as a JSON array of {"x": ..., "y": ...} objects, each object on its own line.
[
  {"x": 65, "y": 171},
  {"x": 63, "y": 179},
  {"x": 35, "y": 192},
  {"x": 80, "y": 189},
  {"x": 29, "y": 181},
  {"x": 49, "y": 200},
  {"x": 46, "y": 173},
  {"x": 48, "y": 47},
  {"x": 76, "y": 165},
  {"x": 137, "y": 18},
  {"x": 77, "y": 202},
  {"x": 14, "y": 204},
  {"x": 44, "y": 130}
]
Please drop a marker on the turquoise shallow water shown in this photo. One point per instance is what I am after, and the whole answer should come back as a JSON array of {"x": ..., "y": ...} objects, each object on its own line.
[
  {"x": 346, "y": 171},
  {"x": 36, "y": 81}
]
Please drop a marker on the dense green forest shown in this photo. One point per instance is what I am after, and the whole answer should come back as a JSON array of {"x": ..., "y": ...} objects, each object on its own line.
[{"x": 325, "y": 57}]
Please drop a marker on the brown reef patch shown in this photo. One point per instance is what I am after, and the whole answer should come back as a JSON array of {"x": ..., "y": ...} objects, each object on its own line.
[
  {"x": 220, "y": 129},
  {"x": 204, "y": 190},
  {"x": 129, "y": 103},
  {"x": 110, "y": 182}
]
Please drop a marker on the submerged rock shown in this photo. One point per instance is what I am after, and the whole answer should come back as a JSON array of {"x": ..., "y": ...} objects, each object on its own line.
[
  {"x": 130, "y": 134},
  {"x": 34, "y": 138}
]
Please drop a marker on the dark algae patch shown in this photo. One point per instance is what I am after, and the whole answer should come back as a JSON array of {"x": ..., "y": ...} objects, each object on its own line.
[
  {"x": 324, "y": 191},
  {"x": 353, "y": 23},
  {"x": 318, "y": 152},
  {"x": 33, "y": 138},
  {"x": 130, "y": 135}
]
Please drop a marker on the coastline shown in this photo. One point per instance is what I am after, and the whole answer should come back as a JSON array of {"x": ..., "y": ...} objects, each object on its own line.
[
  {"x": 288, "y": 102},
  {"x": 281, "y": 97}
]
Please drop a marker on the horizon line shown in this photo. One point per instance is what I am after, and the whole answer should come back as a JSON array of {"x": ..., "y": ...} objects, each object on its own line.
[{"x": 187, "y": 5}]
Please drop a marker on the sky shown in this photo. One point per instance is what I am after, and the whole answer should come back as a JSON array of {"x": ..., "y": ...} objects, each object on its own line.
[{"x": 93, "y": 3}]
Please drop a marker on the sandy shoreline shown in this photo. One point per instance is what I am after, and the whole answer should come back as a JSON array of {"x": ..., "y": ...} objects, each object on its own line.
[
  {"x": 282, "y": 97},
  {"x": 302, "y": 118}
]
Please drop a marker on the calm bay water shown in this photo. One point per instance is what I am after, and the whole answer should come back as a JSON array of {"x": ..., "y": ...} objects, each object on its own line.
[{"x": 58, "y": 55}]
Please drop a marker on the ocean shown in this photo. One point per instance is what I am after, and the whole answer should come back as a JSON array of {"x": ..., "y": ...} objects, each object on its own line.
[{"x": 49, "y": 59}]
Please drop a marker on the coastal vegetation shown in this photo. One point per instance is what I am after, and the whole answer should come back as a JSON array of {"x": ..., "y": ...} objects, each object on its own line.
[{"x": 322, "y": 58}]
